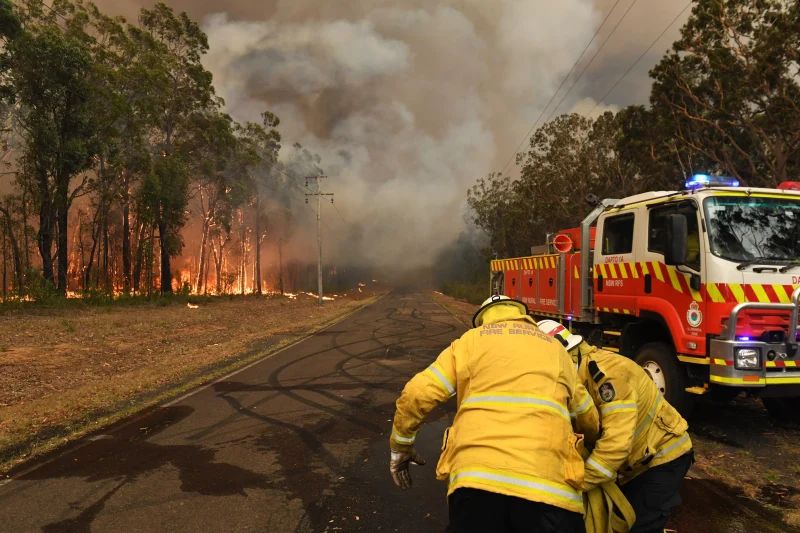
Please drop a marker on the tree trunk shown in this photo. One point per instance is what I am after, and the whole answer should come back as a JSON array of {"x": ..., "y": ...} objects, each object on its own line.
[
  {"x": 205, "y": 271},
  {"x": 126, "y": 235},
  {"x": 219, "y": 256},
  {"x": 106, "y": 272},
  {"x": 19, "y": 279},
  {"x": 61, "y": 202},
  {"x": 280, "y": 265},
  {"x": 151, "y": 249},
  {"x": 27, "y": 250},
  {"x": 137, "y": 267},
  {"x": 166, "y": 274},
  {"x": 202, "y": 267},
  {"x": 62, "y": 248},
  {"x": 87, "y": 274},
  {"x": 5, "y": 268},
  {"x": 257, "y": 260},
  {"x": 45, "y": 236}
]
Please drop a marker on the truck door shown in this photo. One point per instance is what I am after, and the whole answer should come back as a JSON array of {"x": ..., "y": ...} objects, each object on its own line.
[
  {"x": 616, "y": 280},
  {"x": 678, "y": 287}
]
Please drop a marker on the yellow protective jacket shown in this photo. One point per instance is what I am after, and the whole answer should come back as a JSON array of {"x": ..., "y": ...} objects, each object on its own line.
[
  {"x": 640, "y": 429},
  {"x": 517, "y": 394}
]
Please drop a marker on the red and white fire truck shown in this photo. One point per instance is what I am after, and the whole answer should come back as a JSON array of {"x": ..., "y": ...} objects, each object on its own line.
[{"x": 700, "y": 286}]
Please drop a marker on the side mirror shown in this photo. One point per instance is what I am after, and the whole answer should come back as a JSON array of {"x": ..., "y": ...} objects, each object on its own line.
[{"x": 677, "y": 237}]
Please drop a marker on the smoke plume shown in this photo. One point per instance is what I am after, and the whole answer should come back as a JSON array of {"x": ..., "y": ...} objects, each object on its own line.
[{"x": 407, "y": 105}]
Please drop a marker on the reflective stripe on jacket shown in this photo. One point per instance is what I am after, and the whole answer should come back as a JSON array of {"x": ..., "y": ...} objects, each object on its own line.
[
  {"x": 517, "y": 397},
  {"x": 640, "y": 429}
]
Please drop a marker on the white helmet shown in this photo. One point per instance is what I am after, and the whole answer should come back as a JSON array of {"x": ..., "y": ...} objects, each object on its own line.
[
  {"x": 564, "y": 336},
  {"x": 495, "y": 299}
]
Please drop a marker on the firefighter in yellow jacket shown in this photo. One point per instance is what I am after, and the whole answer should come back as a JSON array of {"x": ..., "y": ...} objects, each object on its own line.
[
  {"x": 644, "y": 444},
  {"x": 512, "y": 457}
]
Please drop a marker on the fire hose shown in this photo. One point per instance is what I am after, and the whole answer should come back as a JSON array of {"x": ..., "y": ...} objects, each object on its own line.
[{"x": 607, "y": 510}]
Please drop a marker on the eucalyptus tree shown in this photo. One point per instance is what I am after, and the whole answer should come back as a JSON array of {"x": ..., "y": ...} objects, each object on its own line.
[
  {"x": 730, "y": 88},
  {"x": 263, "y": 141},
  {"x": 180, "y": 88},
  {"x": 50, "y": 75}
]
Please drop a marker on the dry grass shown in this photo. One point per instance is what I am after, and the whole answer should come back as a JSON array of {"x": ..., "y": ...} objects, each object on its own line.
[{"x": 64, "y": 373}]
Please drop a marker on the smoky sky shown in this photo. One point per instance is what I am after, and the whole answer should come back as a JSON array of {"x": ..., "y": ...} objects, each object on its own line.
[{"x": 409, "y": 102}]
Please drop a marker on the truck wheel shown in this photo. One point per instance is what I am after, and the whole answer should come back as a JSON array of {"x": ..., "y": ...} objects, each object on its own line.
[
  {"x": 783, "y": 409},
  {"x": 660, "y": 363}
]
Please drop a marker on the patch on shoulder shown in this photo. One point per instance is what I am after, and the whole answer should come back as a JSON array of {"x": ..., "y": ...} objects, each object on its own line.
[
  {"x": 606, "y": 391},
  {"x": 595, "y": 372}
]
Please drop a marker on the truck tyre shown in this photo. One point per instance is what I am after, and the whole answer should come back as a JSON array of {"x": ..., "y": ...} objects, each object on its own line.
[
  {"x": 660, "y": 363},
  {"x": 783, "y": 409}
]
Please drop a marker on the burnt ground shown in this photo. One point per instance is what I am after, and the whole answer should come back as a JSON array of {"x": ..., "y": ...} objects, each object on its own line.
[{"x": 298, "y": 442}]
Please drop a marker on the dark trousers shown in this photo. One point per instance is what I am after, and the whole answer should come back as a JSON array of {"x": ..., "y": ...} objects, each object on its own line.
[
  {"x": 655, "y": 493},
  {"x": 479, "y": 511}
]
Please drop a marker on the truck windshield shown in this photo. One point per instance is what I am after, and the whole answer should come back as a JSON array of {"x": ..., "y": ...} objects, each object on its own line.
[{"x": 752, "y": 228}]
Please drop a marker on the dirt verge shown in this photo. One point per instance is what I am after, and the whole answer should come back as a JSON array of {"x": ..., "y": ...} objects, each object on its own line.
[{"x": 67, "y": 372}]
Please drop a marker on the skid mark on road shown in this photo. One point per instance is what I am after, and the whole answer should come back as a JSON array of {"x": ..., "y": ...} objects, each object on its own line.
[{"x": 355, "y": 398}]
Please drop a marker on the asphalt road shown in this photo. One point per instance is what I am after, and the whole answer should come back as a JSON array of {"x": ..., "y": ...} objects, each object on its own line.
[{"x": 296, "y": 442}]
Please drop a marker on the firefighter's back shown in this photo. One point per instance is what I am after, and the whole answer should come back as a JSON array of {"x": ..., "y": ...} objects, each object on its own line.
[{"x": 512, "y": 433}]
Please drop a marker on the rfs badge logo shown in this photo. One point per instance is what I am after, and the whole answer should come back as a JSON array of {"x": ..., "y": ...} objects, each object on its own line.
[{"x": 694, "y": 316}]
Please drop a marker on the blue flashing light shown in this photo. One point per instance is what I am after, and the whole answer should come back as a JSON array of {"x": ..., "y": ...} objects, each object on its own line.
[
  {"x": 704, "y": 180},
  {"x": 744, "y": 338}
]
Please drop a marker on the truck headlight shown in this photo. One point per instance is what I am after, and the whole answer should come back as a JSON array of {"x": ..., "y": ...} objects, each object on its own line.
[{"x": 747, "y": 359}]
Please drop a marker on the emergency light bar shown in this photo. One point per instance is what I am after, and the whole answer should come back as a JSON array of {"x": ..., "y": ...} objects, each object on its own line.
[
  {"x": 789, "y": 185},
  {"x": 704, "y": 180}
]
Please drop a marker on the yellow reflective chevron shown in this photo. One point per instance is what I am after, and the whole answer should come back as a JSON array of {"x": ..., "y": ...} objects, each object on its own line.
[
  {"x": 760, "y": 293},
  {"x": 714, "y": 293},
  {"x": 781, "y": 293},
  {"x": 737, "y": 291},
  {"x": 657, "y": 271},
  {"x": 673, "y": 278}
]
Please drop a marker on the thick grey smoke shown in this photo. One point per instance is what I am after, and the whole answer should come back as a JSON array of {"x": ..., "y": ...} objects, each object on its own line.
[{"x": 407, "y": 105}]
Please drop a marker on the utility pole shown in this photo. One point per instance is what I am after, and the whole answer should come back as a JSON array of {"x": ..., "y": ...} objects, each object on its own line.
[
  {"x": 319, "y": 194},
  {"x": 280, "y": 264}
]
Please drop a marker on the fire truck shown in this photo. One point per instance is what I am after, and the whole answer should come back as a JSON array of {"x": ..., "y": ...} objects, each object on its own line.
[{"x": 700, "y": 286}]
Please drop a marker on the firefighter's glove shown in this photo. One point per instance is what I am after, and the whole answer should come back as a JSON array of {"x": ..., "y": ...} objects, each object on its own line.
[{"x": 398, "y": 467}]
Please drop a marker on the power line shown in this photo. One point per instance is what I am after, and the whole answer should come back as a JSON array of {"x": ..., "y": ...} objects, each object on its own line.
[
  {"x": 563, "y": 80},
  {"x": 338, "y": 213},
  {"x": 589, "y": 64},
  {"x": 641, "y": 56}
]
